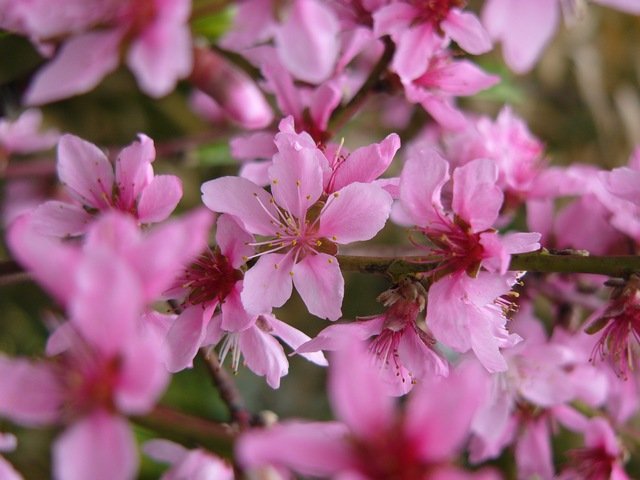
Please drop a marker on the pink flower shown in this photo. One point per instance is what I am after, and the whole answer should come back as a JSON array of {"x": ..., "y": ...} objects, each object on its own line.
[
  {"x": 301, "y": 229},
  {"x": 402, "y": 350},
  {"x": 464, "y": 312},
  {"x": 91, "y": 181},
  {"x": 372, "y": 440},
  {"x": 415, "y": 26},
  {"x": 156, "y": 34}
]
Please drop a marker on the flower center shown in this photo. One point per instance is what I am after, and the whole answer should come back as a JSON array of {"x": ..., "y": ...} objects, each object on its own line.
[
  {"x": 455, "y": 247},
  {"x": 210, "y": 278},
  {"x": 434, "y": 11}
]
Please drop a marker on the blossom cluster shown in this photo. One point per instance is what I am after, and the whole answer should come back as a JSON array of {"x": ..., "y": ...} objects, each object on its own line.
[{"x": 470, "y": 358}]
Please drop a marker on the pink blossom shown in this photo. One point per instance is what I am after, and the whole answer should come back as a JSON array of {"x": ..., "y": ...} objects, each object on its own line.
[
  {"x": 464, "y": 312},
  {"x": 416, "y": 26},
  {"x": 155, "y": 32},
  {"x": 94, "y": 186},
  {"x": 372, "y": 440},
  {"x": 401, "y": 349},
  {"x": 8, "y": 443},
  {"x": 302, "y": 228}
]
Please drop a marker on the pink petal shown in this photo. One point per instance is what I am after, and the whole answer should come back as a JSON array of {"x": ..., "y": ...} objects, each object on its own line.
[
  {"x": 459, "y": 78},
  {"x": 476, "y": 197},
  {"x": 162, "y": 53},
  {"x": 629, "y": 6},
  {"x": 233, "y": 240},
  {"x": 133, "y": 170},
  {"x": 268, "y": 283},
  {"x": 366, "y": 163},
  {"x": 624, "y": 183},
  {"x": 534, "y": 457},
  {"x": 60, "y": 219},
  {"x": 319, "y": 282},
  {"x": 296, "y": 175},
  {"x": 30, "y": 393},
  {"x": 317, "y": 449},
  {"x": 356, "y": 212},
  {"x": 415, "y": 46},
  {"x": 441, "y": 412},
  {"x": 159, "y": 198},
  {"x": 185, "y": 337},
  {"x": 358, "y": 395},
  {"x": 82, "y": 62},
  {"x": 7, "y": 472},
  {"x": 85, "y": 170},
  {"x": 322, "y": 103},
  {"x": 281, "y": 82},
  {"x": 234, "y": 316},
  {"x": 307, "y": 42},
  {"x": 340, "y": 335},
  {"x": 100, "y": 447},
  {"x": 393, "y": 19},
  {"x": 294, "y": 338},
  {"x": 443, "y": 110},
  {"x": 45, "y": 258},
  {"x": 424, "y": 174},
  {"x": 253, "y": 146},
  {"x": 106, "y": 318},
  {"x": 524, "y": 27},
  {"x": 143, "y": 377},
  {"x": 243, "y": 199},
  {"x": 167, "y": 249},
  {"x": 467, "y": 31},
  {"x": 263, "y": 355}
]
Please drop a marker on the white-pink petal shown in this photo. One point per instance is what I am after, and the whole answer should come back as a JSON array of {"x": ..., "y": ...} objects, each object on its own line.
[
  {"x": 476, "y": 197},
  {"x": 134, "y": 170}
]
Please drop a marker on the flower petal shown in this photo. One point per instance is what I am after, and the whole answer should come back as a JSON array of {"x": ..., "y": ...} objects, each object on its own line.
[
  {"x": 268, "y": 283},
  {"x": 356, "y": 212},
  {"x": 100, "y": 447},
  {"x": 319, "y": 282},
  {"x": 85, "y": 170},
  {"x": 82, "y": 62},
  {"x": 243, "y": 199},
  {"x": 159, "y": 198}
]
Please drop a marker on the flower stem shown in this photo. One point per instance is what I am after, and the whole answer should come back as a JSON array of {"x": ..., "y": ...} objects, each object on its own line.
[{"x": 543, "y": 262}]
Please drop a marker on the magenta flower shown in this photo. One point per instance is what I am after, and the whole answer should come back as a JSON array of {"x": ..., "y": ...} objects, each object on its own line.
[
  {"x": 372, "y": 440},
  {"x": 95, "y": 187},
  {"x": 301, "y": 228}
]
